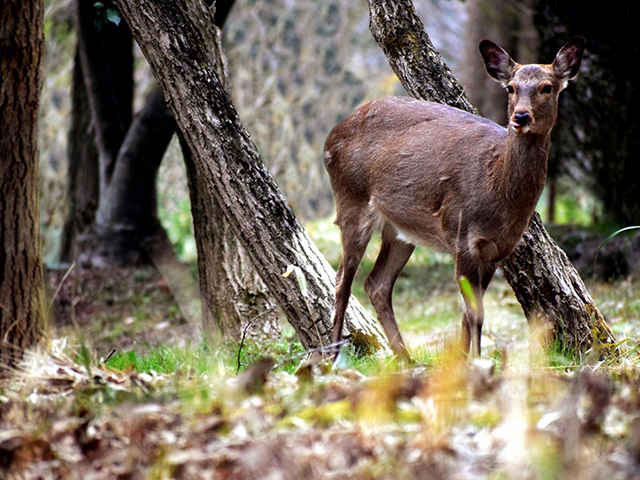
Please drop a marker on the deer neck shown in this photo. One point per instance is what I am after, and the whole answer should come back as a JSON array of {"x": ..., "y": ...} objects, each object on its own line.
[{"x": 521, "y": 174}]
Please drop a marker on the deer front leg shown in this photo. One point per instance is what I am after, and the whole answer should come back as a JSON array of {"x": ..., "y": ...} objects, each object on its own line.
[
  {"x": 478, "y": 276},
  {"x": 472, "y": 320}
]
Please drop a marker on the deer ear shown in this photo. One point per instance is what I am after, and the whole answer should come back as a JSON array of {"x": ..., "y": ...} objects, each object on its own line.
[
  {"x": 498, "y": 63},
  {"x": 567, "y": 62}
]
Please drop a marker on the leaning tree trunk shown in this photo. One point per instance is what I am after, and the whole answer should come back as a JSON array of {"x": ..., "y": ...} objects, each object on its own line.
[
  {"x": 229, "y": 175},
  {"x": 22, "y": 309},
  {"x": 234, "y": 298},
  {"x": 117, "y": 223},
  {"x": 546, "y": 284}
]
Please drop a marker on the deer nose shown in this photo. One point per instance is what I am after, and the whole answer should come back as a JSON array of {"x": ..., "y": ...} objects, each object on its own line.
[{"x": 522, "y": 118}]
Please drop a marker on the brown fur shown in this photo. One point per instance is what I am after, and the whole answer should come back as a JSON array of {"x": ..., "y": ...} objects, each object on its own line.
[{"x": 435, "y": 175}]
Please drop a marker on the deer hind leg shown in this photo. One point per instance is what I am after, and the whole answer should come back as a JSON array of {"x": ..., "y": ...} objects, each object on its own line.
[
  {"x": 479, "y": 275},
  {"x": 355, "y": 231},
  {"x": 392, "y": 258}
]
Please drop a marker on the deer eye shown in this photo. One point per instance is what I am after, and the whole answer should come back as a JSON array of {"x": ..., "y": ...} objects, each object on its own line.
[
  {"x": 510, "y": 89},
  {"x": 546, "y": 88}
]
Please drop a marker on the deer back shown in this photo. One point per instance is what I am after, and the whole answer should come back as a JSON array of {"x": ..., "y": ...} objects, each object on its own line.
[{"x": 419, "y": 165}]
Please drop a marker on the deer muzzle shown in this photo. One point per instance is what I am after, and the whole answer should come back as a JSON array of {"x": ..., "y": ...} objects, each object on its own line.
[{"x": 521, "y": 121}]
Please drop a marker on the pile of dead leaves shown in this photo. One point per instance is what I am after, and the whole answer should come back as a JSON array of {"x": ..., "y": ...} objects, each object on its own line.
[{"x": 62, "y": 420}]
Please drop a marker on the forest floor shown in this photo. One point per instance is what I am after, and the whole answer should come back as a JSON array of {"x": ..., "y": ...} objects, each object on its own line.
[{"x": 127, "y": 389}]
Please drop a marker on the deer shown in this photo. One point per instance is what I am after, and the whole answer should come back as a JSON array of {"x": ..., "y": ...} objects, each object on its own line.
[{"x": 425, "y": 173}]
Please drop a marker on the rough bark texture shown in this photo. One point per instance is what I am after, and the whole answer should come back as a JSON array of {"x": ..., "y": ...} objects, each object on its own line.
[
  {"x": 544, "y": 281},
  {"x": 117, "y": 223},
  {"x": 423, "y": 73},
  {"x": 234, "y": 297},
  {"x": 230, "y": 174},
  {"x": 547, "y": 285},
  {"x": 21, "y": 283}
]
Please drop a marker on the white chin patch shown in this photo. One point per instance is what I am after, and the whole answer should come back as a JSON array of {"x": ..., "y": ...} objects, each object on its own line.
[{"x": 518, "y": 129}]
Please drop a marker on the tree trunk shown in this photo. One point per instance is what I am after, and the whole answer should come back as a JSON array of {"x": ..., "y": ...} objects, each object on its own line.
[
  {"x": 83, "y": 172},
  {"x": 544, "y": 281},
  {"x": 125, "y": 229},
  {"x": 234, "y": 298},
  {"x": 22, "y": 311},
  {"x": 229, "y": 175},
  {"x": 129, "y": 149},
  {"x": 106, "y": 55},
  {"x": 127, "y": 213}
]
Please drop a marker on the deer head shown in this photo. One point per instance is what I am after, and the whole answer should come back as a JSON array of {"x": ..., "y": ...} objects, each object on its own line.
[{"x": 533, "y": 89}]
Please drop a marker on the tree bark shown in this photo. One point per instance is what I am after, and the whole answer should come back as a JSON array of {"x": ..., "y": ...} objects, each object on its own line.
[
  {"x": 127, "y": 214},
  {"x": 234, "y": 297},
  {"x": 106, "y": 55},
  {"x": 22, "y": 311},
  {"x": 118, "y": 223},
  {"x": 129, "y": 149},
  {"x": 83, "y": 173},
  {"x": 546, "y": 284},
  {"x": 229, "y": 175}
]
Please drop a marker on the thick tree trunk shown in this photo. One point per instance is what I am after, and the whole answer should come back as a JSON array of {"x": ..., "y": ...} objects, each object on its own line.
[
  {"x": 22, "y": 311},
  {"x": 229, "y": 175},
  {"x": 234, "y": 298},
  {"x": 125, "y": 229},
  {"x": 544, "y": 281}
]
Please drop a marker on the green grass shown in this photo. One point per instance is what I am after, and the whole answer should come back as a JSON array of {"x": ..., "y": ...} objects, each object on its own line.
[
  {"x": 203, "y": 359},
  {"x": 559, "y": 357},
  {"x": 162, "y": 360},
  {"x": 425, "y": 299},
  {"x": 196, "y": 359},
  {"x": 418, "y": 300},
  {"x": 420, "y": 288},
  {"x": 289, "y": 355}
]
